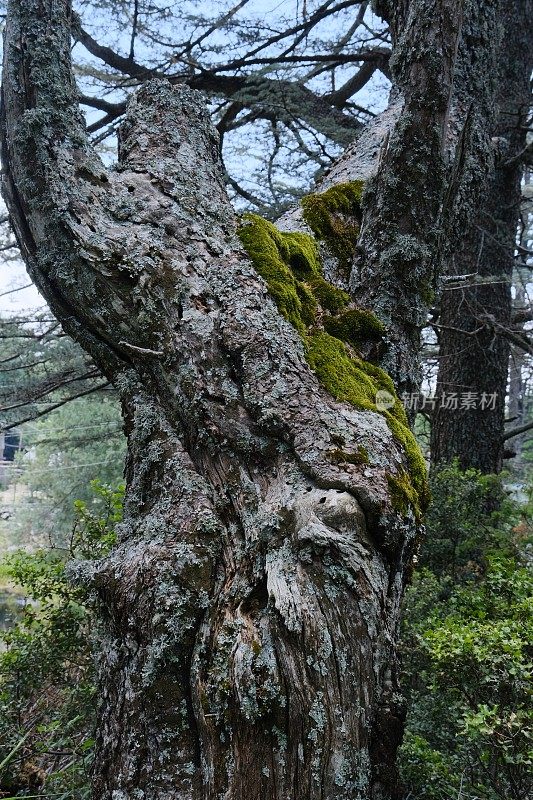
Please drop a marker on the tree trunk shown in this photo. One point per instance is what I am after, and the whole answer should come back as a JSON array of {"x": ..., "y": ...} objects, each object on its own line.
[
  {"x": 475, "y": 312},
  {"x": 516, "y": 404},
  {"x": 249, "y": 611},
  {"x": 517, "y": 410}
]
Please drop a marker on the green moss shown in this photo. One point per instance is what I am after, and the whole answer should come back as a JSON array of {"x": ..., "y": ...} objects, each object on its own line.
[
  {"x": 402, "y": 491},
  {"x": 308, "y": 302},
  {"x": 360, "y": 457},
  {"x": 427, "y": 293},
  {"x": 290, "y": 265},
  {"x": 334, "y": 217},
  {"x": 343, "y": 375},
  {"x": 280, "y": 258},
  {"x": 356, "y": 326},
  {"x": 330, "y": 298},
  {"x": 204, "y": 702},
  {"x": 417, "y": 465},
  {"x": 301, "y": 253},
  {"x": 357, "y": 382}
]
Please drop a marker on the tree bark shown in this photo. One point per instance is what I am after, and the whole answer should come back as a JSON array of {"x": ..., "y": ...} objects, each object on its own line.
[
  {"x": 250, "y": 609},
  {"x": 476, "y": 313}
]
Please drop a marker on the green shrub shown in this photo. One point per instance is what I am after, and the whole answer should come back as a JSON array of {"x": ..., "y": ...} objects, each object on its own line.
[
  {"x": 46, "y": 667},
  {"x": 426, "y": 770},
  {"x": 470, "y": 517},
  {"x": 467, "y": 651}
]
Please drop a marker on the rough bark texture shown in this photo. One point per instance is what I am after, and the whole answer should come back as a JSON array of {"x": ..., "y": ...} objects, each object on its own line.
[
  {"x": 250, "y": 609},
  {"x": 475, "y": 313}
]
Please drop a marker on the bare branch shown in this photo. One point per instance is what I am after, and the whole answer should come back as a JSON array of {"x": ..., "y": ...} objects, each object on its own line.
[
  {"x": 270, "y": 98},
  {"x": 517, "y": 431},
  {"x": 38, "y": 414}
]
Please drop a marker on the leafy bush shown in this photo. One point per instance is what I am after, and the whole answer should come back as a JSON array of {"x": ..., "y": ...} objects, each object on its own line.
[
  {"x": 467, "y": 651},
  {"x": 428, "y": 774},
  {"x": 46, "y": 668},
  {"x": 470, "y": 517},
  {"x": 63, "y": 452}
]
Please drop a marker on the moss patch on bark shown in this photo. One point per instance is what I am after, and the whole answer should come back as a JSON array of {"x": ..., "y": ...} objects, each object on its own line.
[
  {"x": 356, "y": 326},
  {"x": 331, "y": 331},
  {"x": 290, "y": 265},
  {"x": 335, "y": 216},
  {"x": 359, "y": 458}
]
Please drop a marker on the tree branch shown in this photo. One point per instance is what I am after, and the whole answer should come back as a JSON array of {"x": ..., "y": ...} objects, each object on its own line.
[
  {"x": 353, "y": 85},
  {"x": 54, "y": 406},
  {"x": 517, "y": 431},
  {"x": 58, "y": 383}
]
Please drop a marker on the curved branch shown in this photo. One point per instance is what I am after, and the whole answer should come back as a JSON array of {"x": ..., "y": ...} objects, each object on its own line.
[
  {"x": 128, "y": 66},
  {"x": 340, "y": 96}
]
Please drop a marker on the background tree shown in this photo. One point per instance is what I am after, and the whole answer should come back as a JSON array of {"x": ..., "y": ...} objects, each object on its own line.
[
  {"x": 63, "y": 453},
  {"x": 475, "y": 322},
  {"x": 41, "y": 369},
  {"x": 67, "y": 426}
]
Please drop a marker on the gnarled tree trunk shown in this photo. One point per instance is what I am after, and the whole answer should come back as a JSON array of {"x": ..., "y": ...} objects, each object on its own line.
[
  {"x": 250, "y": 608},
  {"x": 475, "y": 311}
]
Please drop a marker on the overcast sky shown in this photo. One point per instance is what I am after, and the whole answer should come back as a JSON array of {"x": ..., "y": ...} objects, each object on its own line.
[{"x": 12, "y": 276}]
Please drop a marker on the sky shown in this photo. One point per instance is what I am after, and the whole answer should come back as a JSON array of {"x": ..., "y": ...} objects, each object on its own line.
[{"x": 13, "y": 275}]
